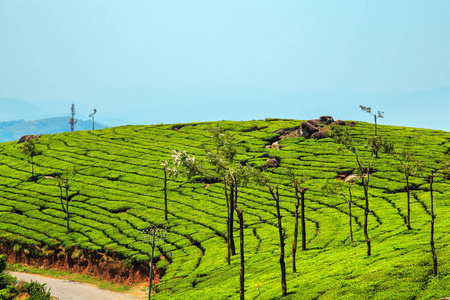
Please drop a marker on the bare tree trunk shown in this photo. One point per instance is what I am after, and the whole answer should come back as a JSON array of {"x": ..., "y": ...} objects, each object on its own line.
[
  {"x": 294, "y": 245},
  {"x": 276, "y": 197},
  {"x": 280, "y": 233},
  {"x": 165, "y": 192},
  {"x": 350, "y": 212},
  {"x": 32, "y": 167},
  {"x": 375, "y": 117},
  {"x": 67, "y": 208},
  {"x": 303, "y": 220},
  {"x": 241, "y": 249},
  {"x": 228, "y": 223},
  {"x": 366, "y": 215},
  {"x": 231, "y": 219},
  {"x": 408, "y": 217},
  {"x": 433, "y": 250}
]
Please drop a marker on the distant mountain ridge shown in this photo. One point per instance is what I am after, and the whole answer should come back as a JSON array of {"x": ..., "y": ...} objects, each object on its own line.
[{"x": 13, "y": 130}]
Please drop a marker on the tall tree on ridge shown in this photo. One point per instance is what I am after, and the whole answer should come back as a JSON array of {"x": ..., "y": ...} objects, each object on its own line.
[{"x": 368, "y": 110}]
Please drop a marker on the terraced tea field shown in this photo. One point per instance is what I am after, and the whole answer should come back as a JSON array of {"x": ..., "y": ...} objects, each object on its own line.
[{"x": 119, "y": 190}]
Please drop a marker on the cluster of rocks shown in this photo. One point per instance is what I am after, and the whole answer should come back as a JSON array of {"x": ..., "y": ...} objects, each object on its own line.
[
  {"x": 314, "y": 128},
  {"x": 318, "y": 128}
]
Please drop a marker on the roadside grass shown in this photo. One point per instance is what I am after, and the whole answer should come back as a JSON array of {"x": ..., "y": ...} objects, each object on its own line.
[{"x": 103, "y": 284}]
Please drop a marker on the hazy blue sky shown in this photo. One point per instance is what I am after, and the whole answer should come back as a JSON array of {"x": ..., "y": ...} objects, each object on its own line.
[{"x": 181, "y": 61}]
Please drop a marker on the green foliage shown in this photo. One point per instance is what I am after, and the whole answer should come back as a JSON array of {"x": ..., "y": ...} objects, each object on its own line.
[
  {"x": 8, "y": 288},
  {"x": 36, "y": 291},
  {"x": 119, "y": 179},
  {"x": 30, "y": 151}
]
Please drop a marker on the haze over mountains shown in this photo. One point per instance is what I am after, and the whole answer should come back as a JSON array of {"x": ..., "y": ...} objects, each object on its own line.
[
  {"x": 422, "y": 109},
  {"x": 13, "y": 130}
]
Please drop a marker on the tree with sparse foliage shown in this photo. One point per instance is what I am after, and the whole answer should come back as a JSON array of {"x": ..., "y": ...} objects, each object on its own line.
[
  {"x": 63, "y": 180},
  {"x": 409, "y": 166},
  {"x": 368, "y": 110},
  {"x": 373, "y": 144},
  {"x": 30, "y": 151},
  {"x": 339, "y": 188}
]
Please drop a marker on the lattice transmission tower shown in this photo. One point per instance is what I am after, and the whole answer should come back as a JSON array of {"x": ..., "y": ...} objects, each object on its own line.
[{"x": 72, "y": 120}]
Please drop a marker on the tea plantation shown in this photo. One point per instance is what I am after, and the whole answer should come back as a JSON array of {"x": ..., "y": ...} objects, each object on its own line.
[{"x": 118, "y": 190}]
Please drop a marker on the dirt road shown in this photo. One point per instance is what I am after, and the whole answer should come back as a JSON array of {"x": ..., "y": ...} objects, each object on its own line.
[{"x": 71, "y": 290}]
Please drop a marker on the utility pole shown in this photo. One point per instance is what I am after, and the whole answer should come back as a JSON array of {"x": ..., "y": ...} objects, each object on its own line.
[
  {"x": 153, "y": 235},
  {"x": 72, "y": 120},
  {"x": 92, "y": 116}
]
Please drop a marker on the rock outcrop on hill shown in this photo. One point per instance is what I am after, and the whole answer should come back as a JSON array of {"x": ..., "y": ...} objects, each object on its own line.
[
  {"x": 319, "y": 135},
  {"x": 27, "y": 138},
  {"x": 318, "y": 128},
  {"x": 308, "y": 130},
  {"x": 314, "y": 128}
]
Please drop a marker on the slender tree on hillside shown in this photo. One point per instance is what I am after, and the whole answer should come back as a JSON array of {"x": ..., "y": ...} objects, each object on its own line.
[
  {"x": 170, "y": 171},
  {"x": 433, "y": 216},
  {"x": 63, "y": 179},
  {"x": 299, "y": 204},
  {"x": 165, "y": 165},
  {"x": 262, "y": 179},
  {"x": 409, "y": 167},
  {"x": 339, "y": 188},
  {"x": 368, "y": 110},
  {"x": 373, "y": 144},
  {"x": 375, "y": 116},
  {"x": 30, "y": 151},
  {"x": 446, "y": 173}
]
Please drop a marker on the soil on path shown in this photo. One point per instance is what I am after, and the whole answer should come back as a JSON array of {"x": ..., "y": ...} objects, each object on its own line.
[{"x": 71, "y": 290}]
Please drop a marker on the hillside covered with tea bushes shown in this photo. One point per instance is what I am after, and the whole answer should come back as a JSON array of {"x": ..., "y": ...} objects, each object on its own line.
[{"x": 118, "y": 191}]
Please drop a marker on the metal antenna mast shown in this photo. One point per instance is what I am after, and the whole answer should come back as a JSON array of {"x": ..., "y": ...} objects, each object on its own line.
[
  {"x": 92, "y": 116},
  {"x": 153, "y": 235},
  {"x": 72, "y": 120}
]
